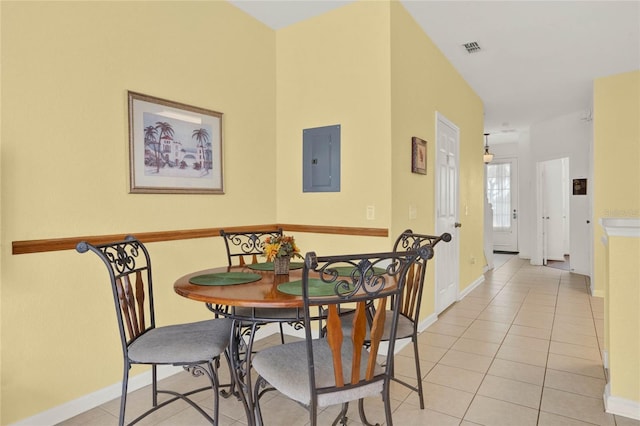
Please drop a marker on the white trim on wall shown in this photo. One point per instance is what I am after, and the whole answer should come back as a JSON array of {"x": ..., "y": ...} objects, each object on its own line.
[
  {"x": 95, "y": 399},
  {"x": 470, "y": 288},
  {"x": 620, "y": 406}
]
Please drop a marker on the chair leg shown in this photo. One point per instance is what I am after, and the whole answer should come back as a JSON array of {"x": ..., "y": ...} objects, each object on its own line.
[
  {"x": 215, "y": 384},
  {"x": 232, "y": 381},
  {"x": 416, "y": 357},
  {"x": 342, "y": 415},
  {"x": 387, "y": 407},
  {"x": 260, "y": 382},
  {"x": 363, "y": 417},
  {"x": 154, "y": 384},
  {"x": 281, "y": 333},
  {"x": 123, "y": 397},
  {"x": 313, "y": 414}
]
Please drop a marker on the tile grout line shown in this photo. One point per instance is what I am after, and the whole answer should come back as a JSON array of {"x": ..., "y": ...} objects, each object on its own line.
[
  {"x": 457, "y": 338},
  {"x": 501, "y": 342},
  {"x": 546, "y": 365}
]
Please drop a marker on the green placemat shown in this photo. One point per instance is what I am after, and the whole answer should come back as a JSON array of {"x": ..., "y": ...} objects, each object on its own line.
[
  {"x": 268, "y": 266},
  {"x": 317, "y": 287},
  {"x": 345, "y": 271},
  {"x": 225, "y": 278}
]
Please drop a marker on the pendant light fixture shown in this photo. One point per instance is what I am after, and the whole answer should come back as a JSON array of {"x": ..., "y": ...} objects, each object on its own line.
[{"x": 487, "y": 157}]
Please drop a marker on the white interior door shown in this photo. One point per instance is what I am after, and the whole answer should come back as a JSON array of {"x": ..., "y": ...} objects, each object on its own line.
[
  {"x": 502, "y": 193},
  {"x": 553, "y": 201},
  {"x": 447, "y": 255},
  {"x": 581, "y": 233}
]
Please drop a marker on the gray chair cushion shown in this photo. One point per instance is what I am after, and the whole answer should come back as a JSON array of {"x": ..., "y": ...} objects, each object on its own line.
[
  {"x": 405, "y": 326},
  {"x": 183, "y": 343},
  {"x": 285, "y": 367}
]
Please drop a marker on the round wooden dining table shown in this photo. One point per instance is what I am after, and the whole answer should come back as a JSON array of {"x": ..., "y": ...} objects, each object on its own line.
[
  {"x": 262, "y": 293},
  {"x": 250, "y": 305}
]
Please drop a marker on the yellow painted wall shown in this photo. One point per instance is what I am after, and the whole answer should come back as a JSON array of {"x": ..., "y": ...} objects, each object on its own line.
[
  {"x": 1, "y": 237},
  {"x": 66, "y": 69},
  {"x": 616, "y": 155},
  {"x": 377, "y": 74},
  {"x": 423, "y": 82},
  {"x": 617, "y": 194},
  {"x": 334, "y": 69},
  {"x": 623, "y": 302}
]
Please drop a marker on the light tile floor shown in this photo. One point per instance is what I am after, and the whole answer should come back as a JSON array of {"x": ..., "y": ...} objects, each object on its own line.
[{"x": 523, "y": 348}]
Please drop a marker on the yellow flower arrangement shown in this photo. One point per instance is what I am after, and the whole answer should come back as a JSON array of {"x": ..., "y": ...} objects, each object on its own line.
[{"x": 280, "y": 246}]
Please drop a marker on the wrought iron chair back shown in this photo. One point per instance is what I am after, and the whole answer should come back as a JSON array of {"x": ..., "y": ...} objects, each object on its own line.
[
  {"x": 362, "y": 286},
  {"x": 412, "y": 297},
  {"x": 339, "y": 368},
  {"x": 246, "y": 244},
  {"x": 249, "y": 244},
  {"x": 129, "y": 266}
]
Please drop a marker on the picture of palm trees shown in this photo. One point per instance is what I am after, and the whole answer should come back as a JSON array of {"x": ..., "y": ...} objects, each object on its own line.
[{"x": 176, "y": 148}]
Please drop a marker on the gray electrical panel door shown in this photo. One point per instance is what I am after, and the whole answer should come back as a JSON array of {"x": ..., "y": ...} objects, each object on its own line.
[{"x": 321, "y": 159}]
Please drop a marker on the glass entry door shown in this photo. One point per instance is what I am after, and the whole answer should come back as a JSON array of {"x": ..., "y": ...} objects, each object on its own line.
[{"x": 502, "y": 193}]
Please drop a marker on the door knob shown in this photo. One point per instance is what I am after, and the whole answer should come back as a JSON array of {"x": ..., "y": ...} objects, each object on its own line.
[{"x": 457, "y": 225}]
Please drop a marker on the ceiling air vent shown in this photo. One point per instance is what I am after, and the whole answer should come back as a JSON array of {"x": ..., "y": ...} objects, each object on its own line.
[{"x": 472, "y": 47}]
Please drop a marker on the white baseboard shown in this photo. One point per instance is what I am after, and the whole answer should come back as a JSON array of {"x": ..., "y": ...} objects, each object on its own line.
[
  {"x": 95, "y": 399},
  {"x": 87, "y": 402},
  {"x": 620, "y": 406},
  {"x": 471, "y": 287},
  {"x": 425, "y": 323}
]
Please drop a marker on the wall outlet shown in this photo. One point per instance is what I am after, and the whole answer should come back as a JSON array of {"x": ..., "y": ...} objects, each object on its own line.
[
  {"x": 413, "y": 212},
  {"x": 371, "y": 212}
]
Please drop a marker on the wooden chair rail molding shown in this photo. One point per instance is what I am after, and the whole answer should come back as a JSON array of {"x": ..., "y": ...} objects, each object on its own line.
[{"x": 56, "y": 244}]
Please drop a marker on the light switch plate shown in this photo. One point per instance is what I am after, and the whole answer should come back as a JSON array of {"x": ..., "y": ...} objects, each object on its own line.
[
  {"x": 413, "y": 212},
  {"x": 371, "y": 212}
]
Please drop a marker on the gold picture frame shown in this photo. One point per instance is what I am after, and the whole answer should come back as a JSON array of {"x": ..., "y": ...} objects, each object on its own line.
[{"x": 174, "y": 148}]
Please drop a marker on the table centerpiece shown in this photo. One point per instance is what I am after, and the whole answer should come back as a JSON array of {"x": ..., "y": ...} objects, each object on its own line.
[{"x": 279, "y": 250}]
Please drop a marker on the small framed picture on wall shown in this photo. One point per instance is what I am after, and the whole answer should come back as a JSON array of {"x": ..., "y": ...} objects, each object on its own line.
[
  {"x": 418, "y": 156},
  {"x": 579, "y": 187}
]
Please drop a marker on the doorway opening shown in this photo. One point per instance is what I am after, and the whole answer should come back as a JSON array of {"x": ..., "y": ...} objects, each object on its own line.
[
  {"x": 553, "y": 211},
  {"x": 564, "y": 265},
  {"x": 502, "y": 194}
]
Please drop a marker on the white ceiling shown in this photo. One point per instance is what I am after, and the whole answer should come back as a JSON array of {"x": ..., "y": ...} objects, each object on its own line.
[{"x": 538, "y": 59}]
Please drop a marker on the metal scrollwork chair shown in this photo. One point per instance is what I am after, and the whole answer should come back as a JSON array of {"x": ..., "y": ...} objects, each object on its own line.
[
  {"x": 337, "y": 369},
  {"x": 246, "y": 244},
  {"x": 411, "y": 300},
  {"x": 245, "y": 247},
  {"x": 194, "y": 346}
]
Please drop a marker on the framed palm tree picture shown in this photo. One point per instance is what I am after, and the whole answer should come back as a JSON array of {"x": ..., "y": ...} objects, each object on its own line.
[{"x": 173, "y": 147}]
